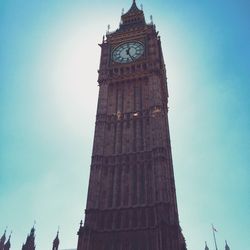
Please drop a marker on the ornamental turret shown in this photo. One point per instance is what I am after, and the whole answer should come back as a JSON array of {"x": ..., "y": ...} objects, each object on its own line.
[
  {"x": 30, "y": 241},
  {"x": 2, "y": 240},
  {"x": 56, "y": 242},
  {"x": 7, "y": 245}
]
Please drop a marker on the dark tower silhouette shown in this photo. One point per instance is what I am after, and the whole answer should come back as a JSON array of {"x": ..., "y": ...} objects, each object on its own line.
[
  {"x": 206, "y": 247},
  {"x": 131, "y": 201},
  {"x": 2, "y": 240},
  {"x": 7, "y": 245},
  {"x": 226, "y": 246},
  {"x": 30, "y": 241},
  {"x": 56, "y": 242}
]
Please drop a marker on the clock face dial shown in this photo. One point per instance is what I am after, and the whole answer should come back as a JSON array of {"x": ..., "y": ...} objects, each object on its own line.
[{"x": 128, "y": 52}]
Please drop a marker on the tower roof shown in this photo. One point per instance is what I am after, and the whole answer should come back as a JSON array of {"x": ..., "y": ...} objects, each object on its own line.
[
  {"x": 134, "y": 17},
  {"x": 133, "y": 8}
]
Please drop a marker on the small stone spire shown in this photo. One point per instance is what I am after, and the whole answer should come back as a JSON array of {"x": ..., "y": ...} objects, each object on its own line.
[
  {"x": 30, "y": 240},
  {"x": 151, "y": 19},
  {"x": 227, "y": 247},
  {"x": 2, "y": 240},
  {"x": 56, "y": 241},
  {"x": 206, "y": 247},
  {"x": 7, "y": 244},
  {"x": 108, "y": 29}
]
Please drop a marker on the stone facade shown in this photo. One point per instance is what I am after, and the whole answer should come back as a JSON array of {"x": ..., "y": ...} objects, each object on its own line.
[{"x": 131, "y": 201}]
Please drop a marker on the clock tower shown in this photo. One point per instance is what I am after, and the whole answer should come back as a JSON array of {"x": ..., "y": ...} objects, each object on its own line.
[{"x": 131, "y": 201}]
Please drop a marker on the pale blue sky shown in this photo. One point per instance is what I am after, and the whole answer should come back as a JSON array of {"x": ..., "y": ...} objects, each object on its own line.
[{"x": 48, "y": 92}]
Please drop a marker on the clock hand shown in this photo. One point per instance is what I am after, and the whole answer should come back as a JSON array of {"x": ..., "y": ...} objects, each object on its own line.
[
  {"x": 131, "y": 57},
  {"x": 128, "y": 53}
]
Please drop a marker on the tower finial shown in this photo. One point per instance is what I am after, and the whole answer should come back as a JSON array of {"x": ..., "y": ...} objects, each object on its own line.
[
  {"x": 108, "y": 30},
  {"x": 7, "y": 245},
  {"x": 151, "y": 19},
  {"x": 10, "y": 234},
  {"x": 206, "y": 247},
  {"x": 3, "y": 238},
  {"x": 34, "y": 224},
  {"x": 56, "y": 241},
  {"x": 227, "y": 247}
]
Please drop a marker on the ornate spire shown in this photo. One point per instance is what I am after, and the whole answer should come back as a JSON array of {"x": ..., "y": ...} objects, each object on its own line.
[
  {"x": 134, "y": 17},
  {"x": 2, "y": 240},
  {"x": 56, "y": 242},
  {"x": 134, "y": 6},
  {"x": 30, "y": 240},
  {"x": 227, "y": 247},
  {"x": 7, "y": 244},
  {"x": 206, "y": 247},
  {"x": 32, "y": 231}
]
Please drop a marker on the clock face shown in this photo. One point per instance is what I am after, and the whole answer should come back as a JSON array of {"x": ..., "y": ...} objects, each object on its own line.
[{"x": 128, "y": 52}]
